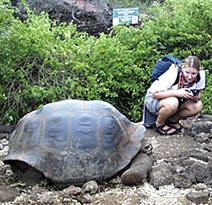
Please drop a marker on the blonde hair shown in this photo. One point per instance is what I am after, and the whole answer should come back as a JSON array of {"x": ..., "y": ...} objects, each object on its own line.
[{"x": 192, "y": 62}]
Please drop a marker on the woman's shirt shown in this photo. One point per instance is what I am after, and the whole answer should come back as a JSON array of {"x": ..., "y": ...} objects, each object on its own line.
[{"x": 166, "y": 81}]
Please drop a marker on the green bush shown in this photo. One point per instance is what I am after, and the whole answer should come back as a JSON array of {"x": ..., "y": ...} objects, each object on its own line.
[
  {"x": 183, "y": 28},
  {"x": 42, "y": 62}
]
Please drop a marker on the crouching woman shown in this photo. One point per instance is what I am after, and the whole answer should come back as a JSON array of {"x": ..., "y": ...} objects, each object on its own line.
[{"x": 172, "y": 101}]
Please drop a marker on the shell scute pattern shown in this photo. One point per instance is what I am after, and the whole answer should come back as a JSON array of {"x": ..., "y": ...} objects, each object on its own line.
[{"x": 74, "y": 141}]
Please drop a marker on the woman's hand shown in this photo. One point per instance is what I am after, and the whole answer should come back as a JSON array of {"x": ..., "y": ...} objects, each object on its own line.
[
  {"x": 195, "y": 98},
  {"x": 186, "y": 94}
]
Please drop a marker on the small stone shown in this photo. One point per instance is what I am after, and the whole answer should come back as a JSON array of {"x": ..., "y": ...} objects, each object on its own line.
[
  {"x": 199, "y": 187},
  {"x": 72, "y": 190},
  {"x": 2, "y": 170},
  {"x": 208, "y": 146},
  {"x": 161, "y": 174},
  {"x": 199, "y": 171},
  {"x": 4, "y": 136},
  {"x": 202, "y": 137},
  {"x": 84, "y": 198},
  {"x": 188, "y": 162},
  {"x": 8, "y": 194},
  {"x": 198, "y": 197},
  {"x": 200, "y": 127},
  {"x": 182, "y": 181},
  {"x": 91, "y": 187}
]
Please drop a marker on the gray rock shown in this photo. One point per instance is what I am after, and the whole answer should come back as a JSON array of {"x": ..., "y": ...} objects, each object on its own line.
[
  {"x": 6, "y": 129},
  {"x": 198, "y": 171},
  {"x": 205, "y": 117},
  {"x": 199, "y": 187},
  {"x": 72, "y": 190},
  {"x": 202, "y": 156},
  {"x": 181, "y": 180},
  {"x": 208, "y": 178},
  {"x": 200, "y": 127},
  {"x": 207, "y": 146},
  {"x": 2, "y": 170},
  {"x": 93, "y": 16},
  {"x": 91, "y": 187},
  {"x": 4, "y": 135},
  {"x": 202, "y": 137},
  {"x": 188, "y": 162},
  {"x": 198, "y": 197},
  {"x": 8, "y": 194},
  {"x": 161, "y": 174},
  {"x": 195, "y": 171}
]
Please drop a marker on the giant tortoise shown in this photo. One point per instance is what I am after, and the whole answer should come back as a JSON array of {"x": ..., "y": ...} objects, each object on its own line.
[{"x": 75, "y": 141}]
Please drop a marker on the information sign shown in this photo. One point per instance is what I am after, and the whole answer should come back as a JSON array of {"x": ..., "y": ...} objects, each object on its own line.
[{"x": 125, "y": 16}]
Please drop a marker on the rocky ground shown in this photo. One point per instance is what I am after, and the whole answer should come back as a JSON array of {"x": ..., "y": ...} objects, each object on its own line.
[{"x": 181, "y": 174}]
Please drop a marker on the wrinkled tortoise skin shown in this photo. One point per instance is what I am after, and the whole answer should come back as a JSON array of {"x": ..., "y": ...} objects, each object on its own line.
[{"x": 74, "y": 141}]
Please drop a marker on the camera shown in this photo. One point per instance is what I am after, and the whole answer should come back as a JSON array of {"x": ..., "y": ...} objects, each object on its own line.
[{"x": 194, "y": 91}]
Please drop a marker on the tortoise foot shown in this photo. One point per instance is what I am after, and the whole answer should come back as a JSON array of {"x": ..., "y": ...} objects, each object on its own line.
[
  {"x": 133, "y": 177},
  {"x": 138, "y": 171}
]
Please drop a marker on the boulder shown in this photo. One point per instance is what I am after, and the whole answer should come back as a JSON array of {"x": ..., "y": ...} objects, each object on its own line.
[{"x": 93, "y": 16}]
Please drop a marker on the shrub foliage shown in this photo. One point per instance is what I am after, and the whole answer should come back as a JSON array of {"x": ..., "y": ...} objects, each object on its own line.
[{"x": 42, "y": 62}]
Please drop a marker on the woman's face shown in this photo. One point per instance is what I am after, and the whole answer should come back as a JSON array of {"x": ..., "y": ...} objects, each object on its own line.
[{"x": 190, "y": 74}]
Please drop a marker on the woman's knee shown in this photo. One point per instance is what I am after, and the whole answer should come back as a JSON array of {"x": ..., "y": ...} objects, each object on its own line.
[
  {"x": 194, "y": 107},
  {"x": 198, "y": 106},
  {"x": 171, "y": 104}
]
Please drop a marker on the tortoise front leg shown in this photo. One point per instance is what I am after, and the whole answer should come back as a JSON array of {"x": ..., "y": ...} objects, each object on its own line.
[
  {"x": 140, "y": 167},
  {"x": 138, "y": 171}
]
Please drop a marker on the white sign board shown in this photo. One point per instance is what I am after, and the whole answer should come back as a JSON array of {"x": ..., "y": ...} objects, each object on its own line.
[{"x": 125, "y": 16}]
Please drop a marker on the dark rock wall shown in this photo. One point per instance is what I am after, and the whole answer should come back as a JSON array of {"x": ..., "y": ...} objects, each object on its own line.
[{"x": 93, "y": 17}]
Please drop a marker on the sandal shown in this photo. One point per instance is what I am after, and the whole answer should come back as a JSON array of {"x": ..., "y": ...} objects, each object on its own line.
[
  {"x": 160, "y": 129},
  {"x": 175, "y": 125}
]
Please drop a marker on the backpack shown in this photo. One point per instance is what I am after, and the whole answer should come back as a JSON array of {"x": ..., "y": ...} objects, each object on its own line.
[{"x": 163, "y": 65}]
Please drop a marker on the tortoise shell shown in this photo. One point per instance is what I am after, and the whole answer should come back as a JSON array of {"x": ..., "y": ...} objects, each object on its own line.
[{"x": 74, "y": 141}]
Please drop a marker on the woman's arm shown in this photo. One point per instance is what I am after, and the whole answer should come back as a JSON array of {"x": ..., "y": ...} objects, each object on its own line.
[{"x": 181, "y": 93}]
